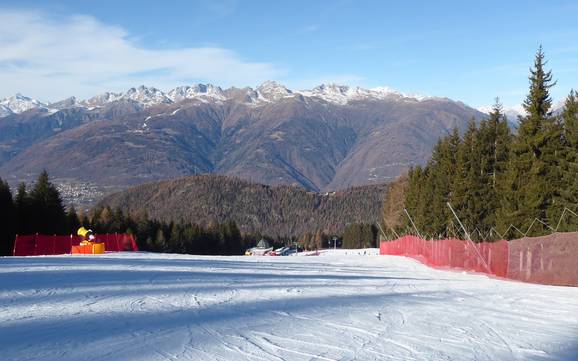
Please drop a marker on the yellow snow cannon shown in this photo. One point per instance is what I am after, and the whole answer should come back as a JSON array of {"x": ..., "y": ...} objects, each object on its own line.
[{"x": 88, "y": 245}]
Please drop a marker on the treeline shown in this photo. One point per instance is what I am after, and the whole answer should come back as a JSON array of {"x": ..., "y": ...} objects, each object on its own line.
[
  {"x": 360, "y": 235},
  {"x": 494, "y": 178},
  {"x": 173, "y": 237},
  {"x": 35, "y": 210},
  {"x": 355, "y": 235}
]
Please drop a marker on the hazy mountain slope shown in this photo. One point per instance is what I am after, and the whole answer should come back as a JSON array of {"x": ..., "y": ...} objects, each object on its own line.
[{"x": 123, "y": 152}]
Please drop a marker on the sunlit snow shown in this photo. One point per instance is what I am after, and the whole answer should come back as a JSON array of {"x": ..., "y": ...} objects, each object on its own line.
[{"x": 335, "y": 306}]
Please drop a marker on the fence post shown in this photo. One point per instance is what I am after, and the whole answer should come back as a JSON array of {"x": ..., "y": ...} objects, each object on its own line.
[
  {"x": 469, "y": 238},
  {"x": 413, "y": 224},
  {"x": 35, "y": 244},
  {"x": 14, "y": 246}
]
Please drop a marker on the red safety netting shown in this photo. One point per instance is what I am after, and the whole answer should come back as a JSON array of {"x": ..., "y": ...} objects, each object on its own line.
[
  {"x": 490, "y": 258},
  {"x": 24, "y": 246},
  {"x": 548, "y": 259},
  {"x": 53, "y": 244},
  {"x": 38, "y": 244},
  {"x": 118, "y": 242},
  {"x": 551, "y": 259}
]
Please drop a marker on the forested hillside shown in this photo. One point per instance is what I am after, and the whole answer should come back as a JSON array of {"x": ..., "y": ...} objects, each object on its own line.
[{"x": 273, "y": 210}]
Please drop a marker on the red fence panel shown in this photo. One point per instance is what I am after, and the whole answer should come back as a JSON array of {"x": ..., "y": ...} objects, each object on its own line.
[
  {"x": 44, "y": 245},
  {"x": 127, "y": 242},
  {"x": 551, "y": 259},
  {"x": 487, "y": 257},
  {"x": 109, "y": 240},
  {"x": 63, "y": 244},
  {"x": 118, "y": 242},
  {"x": 548, "y": 259},
  {"x": 25, "y": 245},
  {"x": 35, "y": 245}
]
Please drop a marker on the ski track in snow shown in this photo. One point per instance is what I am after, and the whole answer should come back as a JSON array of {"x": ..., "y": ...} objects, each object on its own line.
[{"x": 337, "y": 306}]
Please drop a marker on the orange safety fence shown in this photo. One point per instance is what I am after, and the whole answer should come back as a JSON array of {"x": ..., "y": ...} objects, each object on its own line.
[
  {"x": 39, "y": 244},
  {"x": 547, "y": 260}
]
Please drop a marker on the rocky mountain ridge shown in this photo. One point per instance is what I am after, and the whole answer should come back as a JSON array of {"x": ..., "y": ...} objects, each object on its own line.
[
  {"x": 328, "y": 138},
  {"x": 144, "y": 96}
]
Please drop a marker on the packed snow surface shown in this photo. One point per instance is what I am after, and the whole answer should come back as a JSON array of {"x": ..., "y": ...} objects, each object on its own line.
[{"x": 336, "y": 306}]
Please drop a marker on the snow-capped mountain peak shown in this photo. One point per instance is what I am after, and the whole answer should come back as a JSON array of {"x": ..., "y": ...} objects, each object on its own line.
[
  {"x": 70, "y": 102},
  {"x": 269, "y": 91},
  {"x": 19, "y": 103},
  {"x": 266, "y": 93},
  {"x": 342, "y": 94},
  {"x": 196, "y": 91},
  {"x": 331, "y": 93},
  {"x": 146, "y": 96},
  {"x": 385, "y": 90},
  {"x": 102, "y": 99},
  {"x": 273, "y": 91}
]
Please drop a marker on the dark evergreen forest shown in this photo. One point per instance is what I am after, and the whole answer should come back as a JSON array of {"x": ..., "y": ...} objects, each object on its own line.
[{"x": 496, "y": 178}]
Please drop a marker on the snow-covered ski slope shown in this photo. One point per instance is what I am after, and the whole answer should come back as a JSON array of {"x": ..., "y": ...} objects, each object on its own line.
[{"x": 333, "y": 307}]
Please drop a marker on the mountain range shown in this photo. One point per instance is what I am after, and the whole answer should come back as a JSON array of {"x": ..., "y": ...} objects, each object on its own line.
[{"x": 328, "y": 138}]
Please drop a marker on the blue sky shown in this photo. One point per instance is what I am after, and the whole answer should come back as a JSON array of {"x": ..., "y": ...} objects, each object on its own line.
[{"x": 469, "y": 51}]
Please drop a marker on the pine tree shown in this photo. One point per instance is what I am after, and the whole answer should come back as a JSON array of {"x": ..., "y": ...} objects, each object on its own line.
[
  {"x": 417, "y": 197},
  {"x": 235, "y": 243},
  {"x": 7, "y": 214},
  {"x": 468, "y": 184},
  {"x": 23, "y": 205},
  {"x": 368, "y": 236},
  {"x": 411, "y": 196},
  {"x": 176, "y": 239},
  {"x": 48, "y": 212},
  {"x": 72, "y": 221},
  {"x": 160, "y": 243},
  {"x": 569, "y": 191},
  {"x": 570, "y": 120},
  {"x": 494, "y": 140},
  {"x": 440, "y": 174},
  {"x": 532, "y": 179}
]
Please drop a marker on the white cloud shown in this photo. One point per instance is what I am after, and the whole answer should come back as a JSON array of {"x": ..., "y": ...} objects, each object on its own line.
[{"x": 54, "y": 57}]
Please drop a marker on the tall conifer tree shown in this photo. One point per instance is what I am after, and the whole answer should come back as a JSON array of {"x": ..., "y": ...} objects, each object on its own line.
[
  {"x": 494, "y": 140},
  {"x": 532, "y": 179},
  {"x": 47, "y": 210},
  {"x": 7, "y": 212},
  {"x": 23, "y": 211},
  {"x": 467, "y": 182},
  {"x": 569, "y": 191}
]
